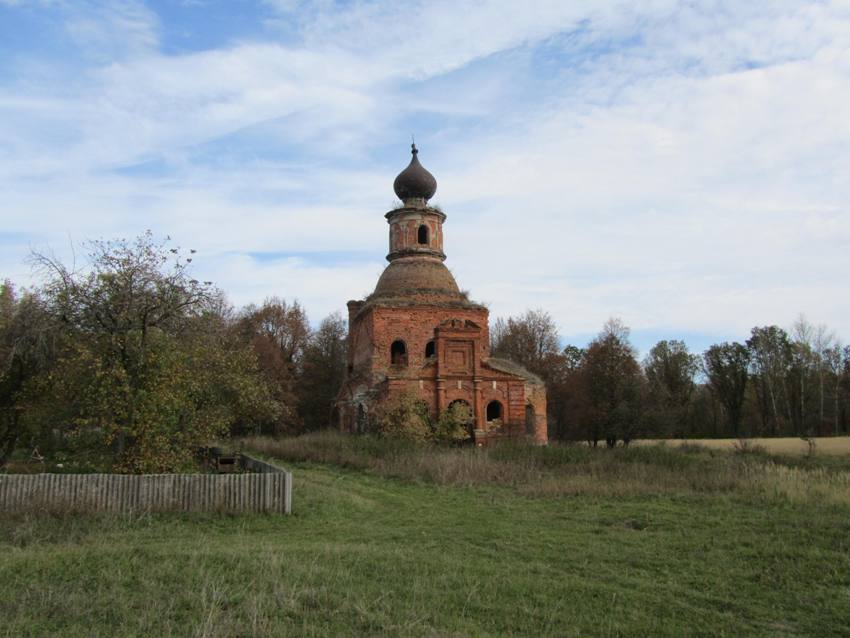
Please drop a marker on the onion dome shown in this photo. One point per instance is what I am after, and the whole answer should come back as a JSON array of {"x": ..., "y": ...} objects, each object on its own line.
[{"x": 414, "y": 182}]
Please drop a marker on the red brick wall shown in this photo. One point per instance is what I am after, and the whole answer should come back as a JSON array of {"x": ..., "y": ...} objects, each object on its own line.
[
  {"x": 372, "y": 333},
  {"x": 415, "y": 326},
  {"x": 404, "y": 229},
  {"x": 360, "y": 349}
]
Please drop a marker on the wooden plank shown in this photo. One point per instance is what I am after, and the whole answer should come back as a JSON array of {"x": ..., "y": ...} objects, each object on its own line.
[{"x": 266, "y": 489}]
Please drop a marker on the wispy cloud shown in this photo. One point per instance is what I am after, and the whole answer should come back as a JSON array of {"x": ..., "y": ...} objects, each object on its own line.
[{"x": 683, "y": 166}]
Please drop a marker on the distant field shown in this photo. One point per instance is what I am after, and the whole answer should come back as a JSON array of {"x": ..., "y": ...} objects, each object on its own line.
[
  {"x": 396, "y": 540},
  {"x": 787, "y": 445}
]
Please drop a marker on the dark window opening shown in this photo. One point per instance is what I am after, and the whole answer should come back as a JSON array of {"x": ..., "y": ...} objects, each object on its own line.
[
  {"x": 530, "y": 420},
  {"x": 430, "y": 349},
  {"x": 494, "y": 410},
  {"x": 362, "y": 420},
  {"x": 398, "y": 353},
  {"x": 423, "y": 234}
]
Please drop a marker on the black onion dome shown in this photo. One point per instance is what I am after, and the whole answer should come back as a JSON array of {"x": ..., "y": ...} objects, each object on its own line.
[{"x": 415, "y": 181}]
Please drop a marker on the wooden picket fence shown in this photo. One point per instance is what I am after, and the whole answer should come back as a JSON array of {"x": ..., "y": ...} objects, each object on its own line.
[{"x": 262, "y": 488}]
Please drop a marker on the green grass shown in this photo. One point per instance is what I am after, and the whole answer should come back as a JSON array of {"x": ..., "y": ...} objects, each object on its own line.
[{"x": 440, "y": 551}]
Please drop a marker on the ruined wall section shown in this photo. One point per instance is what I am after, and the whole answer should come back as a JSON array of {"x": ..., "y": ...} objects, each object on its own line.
[
  {"x": 359, "y": 337},
  {"x": 536, "y": 421},
  {"x": 460, "y": 369}
]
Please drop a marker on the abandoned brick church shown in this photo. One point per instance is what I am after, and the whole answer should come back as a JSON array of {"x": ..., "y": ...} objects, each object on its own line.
[{"x": 417, "y": 331}]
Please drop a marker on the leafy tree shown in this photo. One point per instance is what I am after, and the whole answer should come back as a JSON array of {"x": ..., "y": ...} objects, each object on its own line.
[
  {"x": 844, "y": 384},
  {"x": 530, "y": 340},
  {"x": 770, "y": 359},
  {"x": 279, "y": 333},
  {"x": 453, "y": 426},
  {"x": 726, "y": 367},
  {"x": 614, "y": 386},
  {"x": 573, "y": 357},
  {"x": 403, "y": 415},
  {"x": 565, "y": 394},
  {"x": 146, "y": 366},
  {"x": 670, "y": 370},
  {"x": 27, "y": 349},
  {"x": 803, "y": 364},
  {"x": 707, "y": 413},
  {"x": 834, "y": 360},
  {"x": 823, "y": 344},
  {"x": 323, "y": 371}
]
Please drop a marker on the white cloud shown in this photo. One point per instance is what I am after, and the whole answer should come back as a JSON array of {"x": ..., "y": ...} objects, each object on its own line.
[
  {"x": 681, "y": 166},
  {"x": 116, "y": 29}
]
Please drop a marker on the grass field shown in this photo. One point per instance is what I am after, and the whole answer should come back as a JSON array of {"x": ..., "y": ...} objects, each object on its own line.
[{"x": 391, "y": 539}]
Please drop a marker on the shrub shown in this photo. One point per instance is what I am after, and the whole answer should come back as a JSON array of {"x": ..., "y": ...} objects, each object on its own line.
[
  {"x": 403, "y": 415},
  {"x": 746, "y": 446},
  {"x": 453, "y": 424}
]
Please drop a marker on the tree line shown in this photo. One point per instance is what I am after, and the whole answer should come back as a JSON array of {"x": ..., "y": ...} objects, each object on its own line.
[
  {"x": 130, "y": 362},
  {"x": 776, "y": 383}
]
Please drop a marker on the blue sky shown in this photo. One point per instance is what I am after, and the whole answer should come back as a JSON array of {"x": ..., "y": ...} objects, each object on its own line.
[{"x": 683, "y": 166}]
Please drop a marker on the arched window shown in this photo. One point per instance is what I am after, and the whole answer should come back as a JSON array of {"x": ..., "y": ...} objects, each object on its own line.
[
  {"x": 422, "y": 236},
  {"x": 530, "y": 420},
  {"x": 362, "y": 420},
  {"x": 430, "y": 349},
  {"x": 494, "y": 411},
  {"x": 398, "y": 353}
]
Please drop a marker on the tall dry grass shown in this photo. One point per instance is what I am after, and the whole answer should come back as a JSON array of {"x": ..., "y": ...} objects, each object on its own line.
[
  {"x": 569, "y": 470},
  {"x": 791, "y": 445}
]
